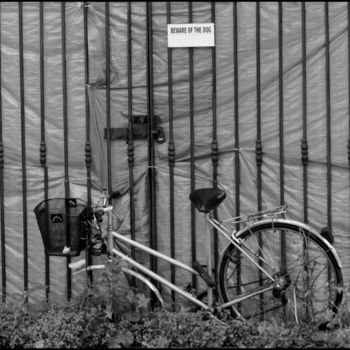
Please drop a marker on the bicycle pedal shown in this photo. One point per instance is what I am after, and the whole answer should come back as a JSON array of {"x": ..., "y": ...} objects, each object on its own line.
[
  {"x": 97, "y": 248},
  {"x": 203, "y": 273}
]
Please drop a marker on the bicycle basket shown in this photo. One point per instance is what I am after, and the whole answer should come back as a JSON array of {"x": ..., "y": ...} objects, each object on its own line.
[{"x": 63, "y": 223}]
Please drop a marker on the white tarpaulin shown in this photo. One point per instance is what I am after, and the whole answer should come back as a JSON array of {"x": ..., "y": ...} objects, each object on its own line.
[{"x": 203, "y": 121}]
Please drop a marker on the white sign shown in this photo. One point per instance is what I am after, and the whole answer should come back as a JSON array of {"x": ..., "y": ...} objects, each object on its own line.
[{"x": 191, "y": 35}]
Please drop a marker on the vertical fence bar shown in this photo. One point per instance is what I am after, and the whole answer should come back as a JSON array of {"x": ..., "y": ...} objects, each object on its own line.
[
  {"x": 258, "y": 144},
  {"x": 328, "y": 116},
  {"x": 23, "y": 150},
  {"x": 130, "y": 131},
  {"x": 108, "y": 100},
  {"x": 87, "y": 105},
  {"x": 281, "y": 115},
  {"x": 151, "y": 159},
  {"x": 2, "y": 203},
  {"x": 281, "y": 119},
  {"x": 214, "y": 144},
  {"x": 328, "y": 121},
  {"x": 348, "y": 17},
  {"x": 192, "y": 143},
  {"x": 43, "y": 147},
  {"x": 171, "y": 156},
  {"x": 236, "y": 125},
  {"x": 236, "y": 109},
  {"x": 88, "y": 150},
  {"x": 65, "y": 141},
  {"x": 304, "y": 143}
]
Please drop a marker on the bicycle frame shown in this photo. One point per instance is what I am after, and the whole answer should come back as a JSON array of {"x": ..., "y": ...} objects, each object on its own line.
[
  {"x": 111, "y": 234},
  {"x": 252, "y": 225}
]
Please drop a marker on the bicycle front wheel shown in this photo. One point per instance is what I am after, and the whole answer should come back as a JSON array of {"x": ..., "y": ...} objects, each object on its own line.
[{"x": 306, "y": 272}]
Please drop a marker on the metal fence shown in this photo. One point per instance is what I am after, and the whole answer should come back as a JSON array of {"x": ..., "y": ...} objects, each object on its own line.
[{"x": 304, "y": 125}]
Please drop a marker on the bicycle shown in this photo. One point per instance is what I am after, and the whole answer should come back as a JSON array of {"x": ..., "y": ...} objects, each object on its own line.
[{"x": 271, "y": 266}]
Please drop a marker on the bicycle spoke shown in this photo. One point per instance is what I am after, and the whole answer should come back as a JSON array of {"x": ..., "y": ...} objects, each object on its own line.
[{"x": 305, "y": 282}]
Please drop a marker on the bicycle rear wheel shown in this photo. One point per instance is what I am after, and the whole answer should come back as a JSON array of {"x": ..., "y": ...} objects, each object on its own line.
[{"x": 305, "y": 267}]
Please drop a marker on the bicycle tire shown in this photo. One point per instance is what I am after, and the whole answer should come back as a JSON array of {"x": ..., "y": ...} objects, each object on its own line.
[{"x": 312, "y": 274}]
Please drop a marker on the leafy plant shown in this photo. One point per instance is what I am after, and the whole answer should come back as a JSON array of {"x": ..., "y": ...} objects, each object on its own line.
[
  {"x": 111, "y": 314},
  {"x": 53, "y": 327},
  {"x": 113, "y": 289},
  {"x": 183, "y": 329}
]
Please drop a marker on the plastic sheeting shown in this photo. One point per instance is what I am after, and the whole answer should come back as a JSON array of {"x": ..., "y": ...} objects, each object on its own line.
[{"x": 203, "y": 115}]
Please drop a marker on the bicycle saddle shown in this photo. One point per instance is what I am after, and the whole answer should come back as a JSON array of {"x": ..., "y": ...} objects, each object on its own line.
[{"x": 206, "y": 199}]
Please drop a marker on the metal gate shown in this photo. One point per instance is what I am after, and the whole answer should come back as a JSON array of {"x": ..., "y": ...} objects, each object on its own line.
[{"x": 263, "y": 114}]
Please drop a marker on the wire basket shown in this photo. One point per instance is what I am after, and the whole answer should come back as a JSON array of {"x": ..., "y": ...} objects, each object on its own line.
[{"x": 63, "y": 225}]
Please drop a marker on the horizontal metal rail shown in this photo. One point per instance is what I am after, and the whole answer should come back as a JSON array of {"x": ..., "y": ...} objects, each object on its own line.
[{"x": 153, "y": 252}]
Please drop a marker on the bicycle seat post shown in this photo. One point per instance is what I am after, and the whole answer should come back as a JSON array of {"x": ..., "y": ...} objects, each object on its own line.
[{"x": 208, "y": 258}]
